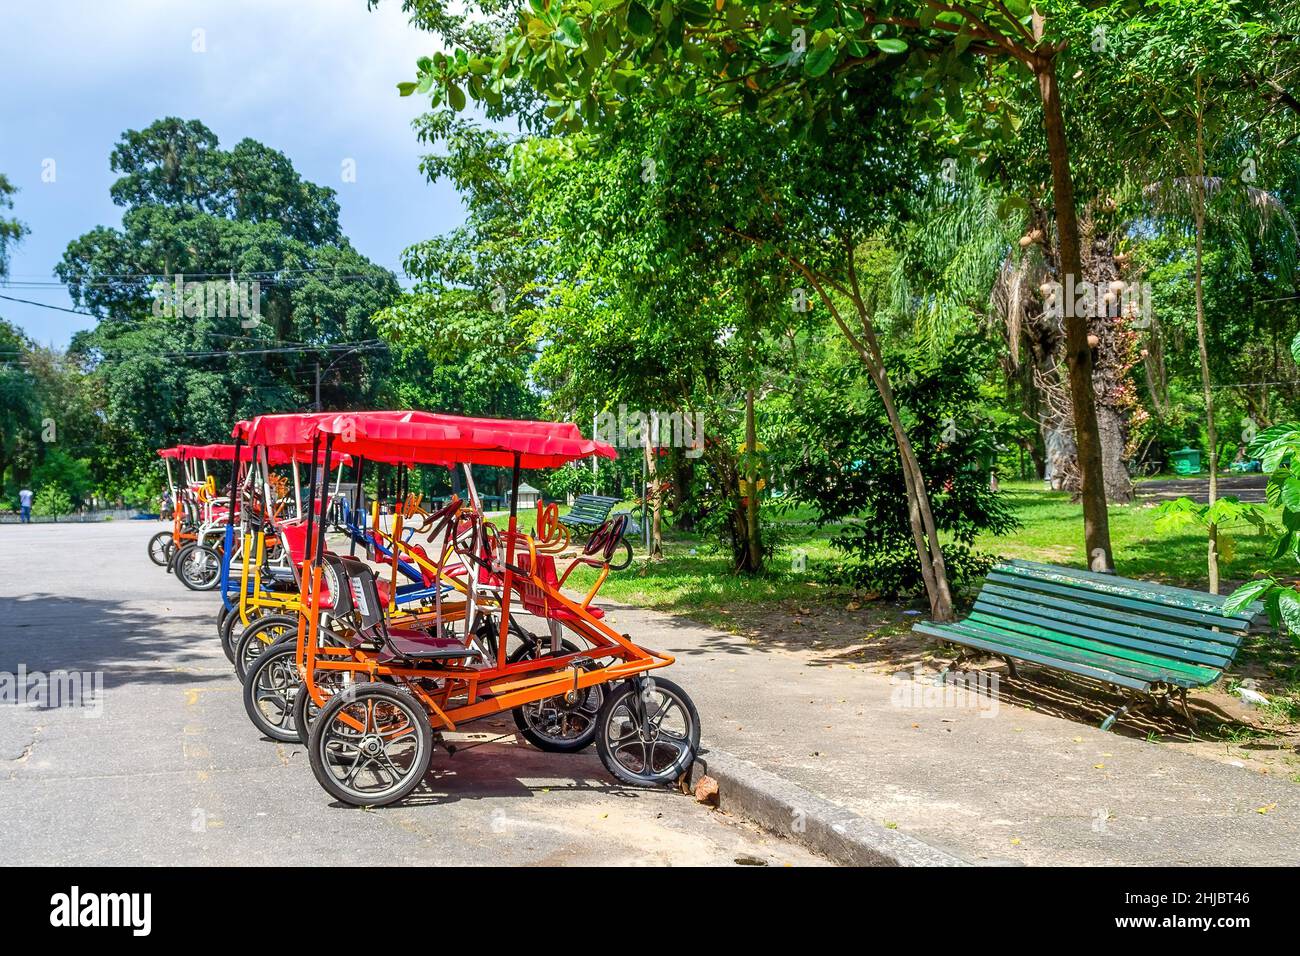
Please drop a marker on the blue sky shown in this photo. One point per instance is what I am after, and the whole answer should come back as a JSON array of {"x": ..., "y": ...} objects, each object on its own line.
[{"x": 315, "y": 79}]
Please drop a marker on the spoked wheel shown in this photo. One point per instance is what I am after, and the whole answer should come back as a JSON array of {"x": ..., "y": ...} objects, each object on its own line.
[
  {"x": 305, "y": 708},
  {"x": 198, "y": 567},
  {"x": 648, "y": 731},
  {"x": 258, "y": 636},
  {"x": 371, "y": 746},
  {"x": 233, "y": 627},
  {"x": 223, "y": 614},
  {"x": 622, "y": 556},
  {"x": 160, "y": 546},
  {"x": 562, "y": 724},
  {"x": 272, "y": 687}
]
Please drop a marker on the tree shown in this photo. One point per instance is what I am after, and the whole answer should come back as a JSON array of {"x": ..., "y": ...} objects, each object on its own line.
[
  {"x": 1181, "y": 65},
  {"x": 275, "y": 307},
  {"x": 801, "y": 61},
  {"x": 11, "y": 230}
]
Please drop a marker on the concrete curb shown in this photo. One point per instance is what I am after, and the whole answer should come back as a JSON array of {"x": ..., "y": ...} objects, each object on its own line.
[{"x": 790, "y": 811}]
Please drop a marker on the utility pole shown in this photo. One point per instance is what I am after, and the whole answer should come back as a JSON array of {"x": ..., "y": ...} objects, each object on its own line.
[{"x": 318, "y": 408}]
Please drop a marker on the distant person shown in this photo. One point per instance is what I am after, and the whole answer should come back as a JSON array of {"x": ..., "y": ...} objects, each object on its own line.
[{"x": 25, "y": 505}]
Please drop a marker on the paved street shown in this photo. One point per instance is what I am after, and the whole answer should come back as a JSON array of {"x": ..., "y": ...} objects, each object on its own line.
[{"x": 171, "y": 771}]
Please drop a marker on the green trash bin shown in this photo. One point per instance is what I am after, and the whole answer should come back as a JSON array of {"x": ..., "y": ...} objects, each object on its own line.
[{"x": 1186, "y": 461}]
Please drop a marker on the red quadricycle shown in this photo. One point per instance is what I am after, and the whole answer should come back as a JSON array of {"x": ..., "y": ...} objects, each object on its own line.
[{"x": 502, "y": 633}]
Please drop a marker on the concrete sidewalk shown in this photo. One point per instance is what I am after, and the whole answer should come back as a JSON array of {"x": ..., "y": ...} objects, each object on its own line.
[{"x": 1009, "y": 785}]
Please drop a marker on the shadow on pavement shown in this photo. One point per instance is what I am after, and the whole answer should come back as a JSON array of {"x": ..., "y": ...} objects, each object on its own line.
[{"x": 47, "y": 632}]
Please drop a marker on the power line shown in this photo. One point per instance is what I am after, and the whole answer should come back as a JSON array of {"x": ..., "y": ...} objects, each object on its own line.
[{"x": 47, "y": 305}]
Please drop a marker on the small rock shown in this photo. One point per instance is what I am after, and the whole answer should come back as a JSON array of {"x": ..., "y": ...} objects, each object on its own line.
[{"x": 706, "y": 791}]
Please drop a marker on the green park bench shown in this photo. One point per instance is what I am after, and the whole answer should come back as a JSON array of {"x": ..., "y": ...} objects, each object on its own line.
[
  {"x": 588, "y": 512},
  {"x": 1151, "y": 640}
]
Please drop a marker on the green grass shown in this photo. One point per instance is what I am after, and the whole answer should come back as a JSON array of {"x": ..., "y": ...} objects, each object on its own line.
[
  {"x": 1052, "y": 531},
  {"x": 696, "y": 579}
]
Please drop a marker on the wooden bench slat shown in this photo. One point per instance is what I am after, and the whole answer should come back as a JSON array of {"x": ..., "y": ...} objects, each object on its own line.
[
  {"x": 971, "y": 638},
  {"x": 1219, "y": 646},
  {"x": 1126, "y": 660},
  {"x": 1160, "y": 654},
  {"x": 1182, "y": 597},
  {"x": 1080, "y": 591},
  {"x": 1015, "y": 644}
]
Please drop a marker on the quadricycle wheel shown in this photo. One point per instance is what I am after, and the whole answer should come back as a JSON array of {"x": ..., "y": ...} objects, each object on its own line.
[
  {"x": 271, "y": 689},
  {"x": 260, "y": 635},
  {"x": 565, "y": 723},
  {"x": 160, "y": 548},
  {"x": 371, "y": 746},
  {"x": 198, "y": 567},
  {"x": 648, "y": 731}
]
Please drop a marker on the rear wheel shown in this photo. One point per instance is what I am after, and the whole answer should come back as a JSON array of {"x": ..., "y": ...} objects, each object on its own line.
[
  {"x": 379, "y": 760},
  {"x": 159, "y": 548},
  {"x": 648, "y": 732},
  {"x": 562, "y": 724},
  {"x": 198, "y": 567}
]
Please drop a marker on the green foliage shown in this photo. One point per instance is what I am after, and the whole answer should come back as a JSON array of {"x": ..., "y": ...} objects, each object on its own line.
[
  {"x": 848, "y": 466},
  {"x": 196, "y": 210},
  {"x": 1224, "y": 515},
  {"x": 51, "y": 501}
]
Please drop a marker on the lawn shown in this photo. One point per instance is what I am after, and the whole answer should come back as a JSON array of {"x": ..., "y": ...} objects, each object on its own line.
[{"x": 695, "y": 578}]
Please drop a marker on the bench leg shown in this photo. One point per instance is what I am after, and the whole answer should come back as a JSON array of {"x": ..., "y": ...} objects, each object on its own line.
[
  {"x": 1011, "y": 669},
  {"x": 1133, "y": 702},
  {"x": 962, "y": 655},
  {"x": 1187, "y": 711}
]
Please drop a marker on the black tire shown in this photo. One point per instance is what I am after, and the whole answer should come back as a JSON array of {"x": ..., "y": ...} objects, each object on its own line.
[
  {"x": 305, "y": 710},
  {"x": 622, "y": 556},
  {"x": 555, "y": 724},
  {"x": 160, "y": 546},
  {"x": 272, "y": 687},
  {"x": 198, "y": 567},
  {"x": 233, "y": 627},
  {"x": 394, "y": 747},
  {"x": 665, "y": 753},
  {"x": 258, "y": 636},
  {"x": 223, "y": 613}
]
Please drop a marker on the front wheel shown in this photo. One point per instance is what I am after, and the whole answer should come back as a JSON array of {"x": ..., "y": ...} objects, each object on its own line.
[
  {"x": 258, "y": 637},
  {"x": 160, "y": 546},
  {"x": 272, "y": 687},
  {"x": 371, "y": 746},
  {"x": 648, "y": 732}
]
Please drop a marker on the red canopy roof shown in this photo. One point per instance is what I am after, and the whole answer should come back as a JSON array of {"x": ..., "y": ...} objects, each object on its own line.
[{"x": 434, "y": 438}]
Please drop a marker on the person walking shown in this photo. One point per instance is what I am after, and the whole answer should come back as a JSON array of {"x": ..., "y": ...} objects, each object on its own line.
[{"x": 25, "y": 505}]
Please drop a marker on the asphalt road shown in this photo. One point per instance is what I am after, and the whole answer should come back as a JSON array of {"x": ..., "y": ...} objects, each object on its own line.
[{"x": 165, "y": 767}]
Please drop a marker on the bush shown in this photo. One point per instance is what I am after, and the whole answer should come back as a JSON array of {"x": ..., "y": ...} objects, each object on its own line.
[
  {"x": 51, "y": 501},
  {"x": 850, "y": 467}
]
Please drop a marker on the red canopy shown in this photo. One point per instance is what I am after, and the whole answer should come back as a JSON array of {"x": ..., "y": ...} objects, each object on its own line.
[{"x": 416, "y": 437}]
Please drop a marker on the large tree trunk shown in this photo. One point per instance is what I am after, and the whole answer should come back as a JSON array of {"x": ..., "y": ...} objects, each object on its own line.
[
  {"x": 751, "y": 485},
  {"x": 1096, "y": 519},
  {"x": 1212, "y": 438},
  {"x": 652, "y": 510}
]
